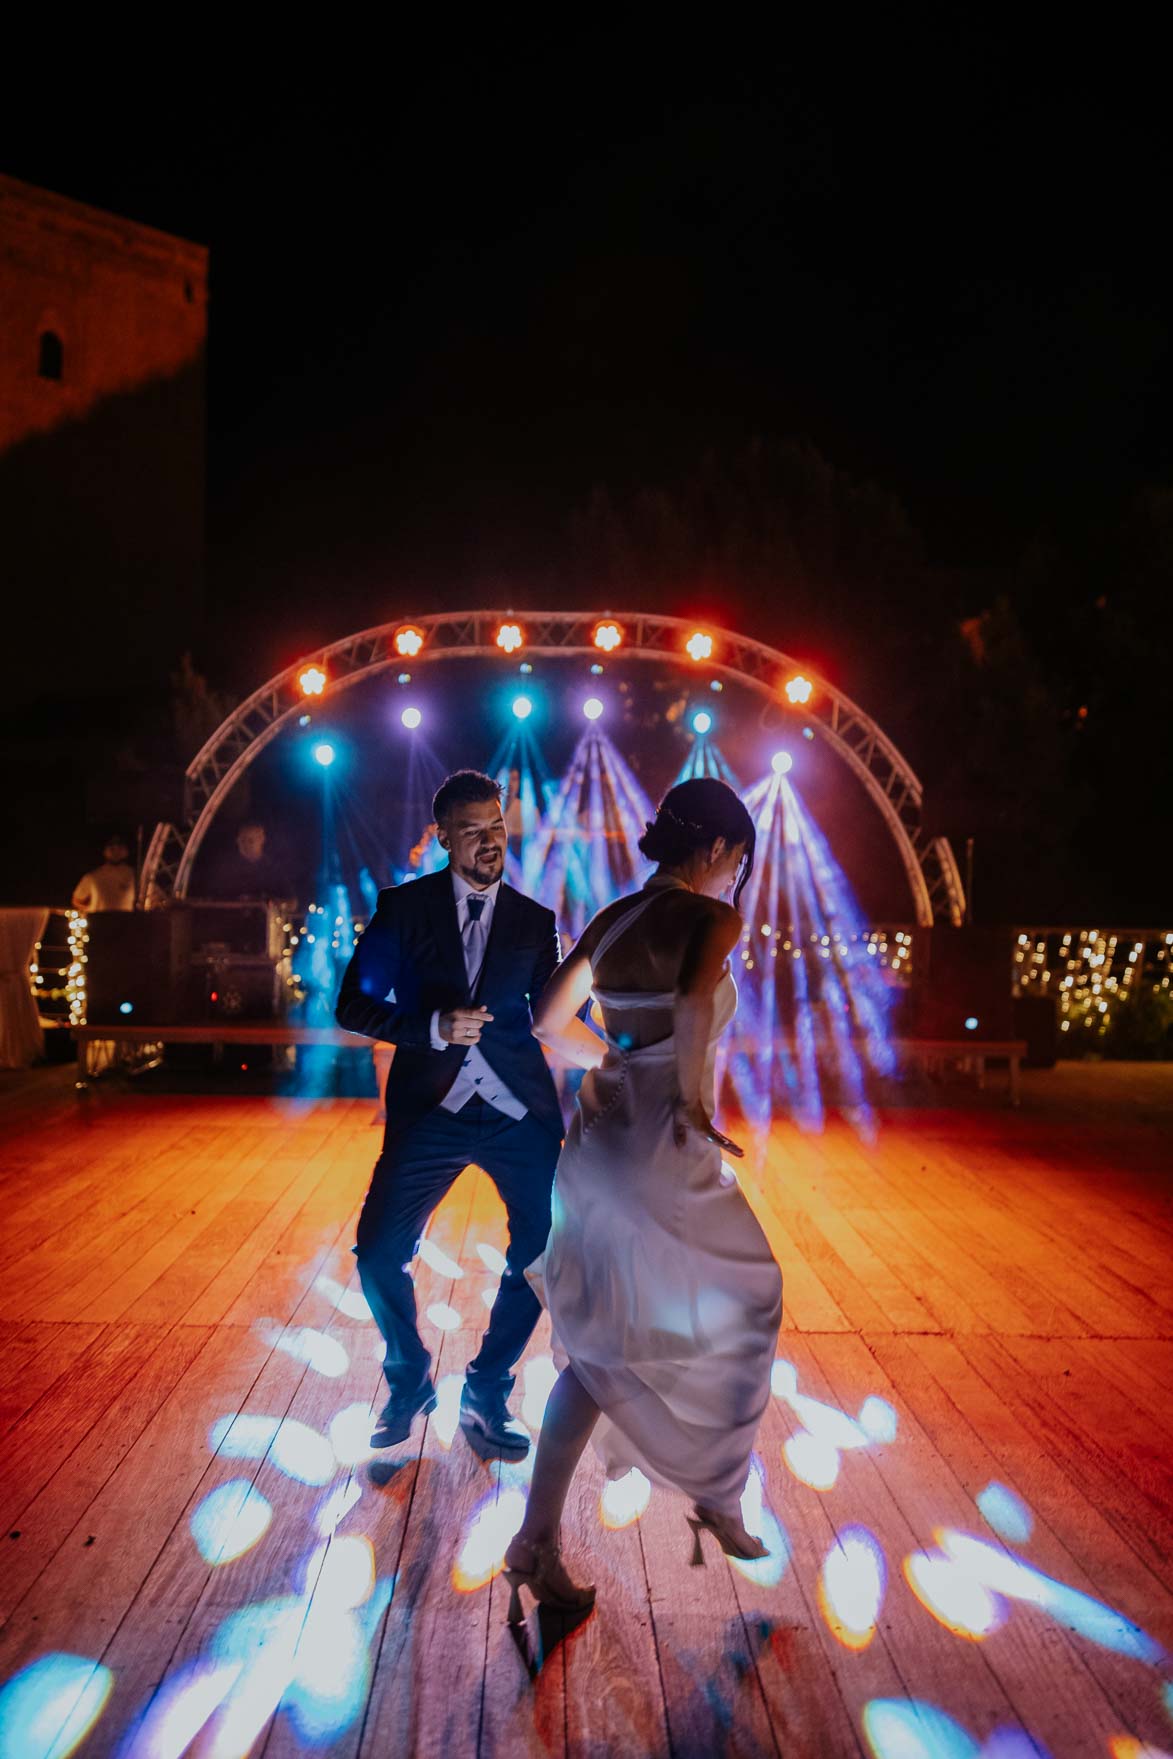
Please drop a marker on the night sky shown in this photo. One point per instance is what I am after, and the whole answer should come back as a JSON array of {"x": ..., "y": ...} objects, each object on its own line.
[{"x": 448, "y": 302}]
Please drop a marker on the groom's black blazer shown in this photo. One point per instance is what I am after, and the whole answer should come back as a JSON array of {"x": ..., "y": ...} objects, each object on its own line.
[{"x": 409, "y": 961}]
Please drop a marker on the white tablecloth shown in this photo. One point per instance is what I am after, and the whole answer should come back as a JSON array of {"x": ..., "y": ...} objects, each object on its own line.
[{"x": 21, "y": 1038}]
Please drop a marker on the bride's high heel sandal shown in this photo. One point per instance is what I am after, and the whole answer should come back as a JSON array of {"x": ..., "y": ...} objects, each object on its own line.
[
  {"x": 705, "y": 1521},
  {"x": 548, "y": 1582}
]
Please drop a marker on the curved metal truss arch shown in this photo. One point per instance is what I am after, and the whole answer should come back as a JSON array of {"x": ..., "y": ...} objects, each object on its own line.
[{"x": 890, "y": 781}]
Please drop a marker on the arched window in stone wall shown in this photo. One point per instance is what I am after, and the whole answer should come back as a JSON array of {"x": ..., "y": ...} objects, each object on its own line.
[{"x": 51, "y": 359}]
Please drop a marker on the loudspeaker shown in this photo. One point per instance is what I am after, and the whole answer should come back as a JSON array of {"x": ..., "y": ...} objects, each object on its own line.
[
  {"x": 963, "y": 975},
  {"x": 239, "y": 989},
  {"x": 137, "y": 968},
  {"x": 246, "y": 928}
]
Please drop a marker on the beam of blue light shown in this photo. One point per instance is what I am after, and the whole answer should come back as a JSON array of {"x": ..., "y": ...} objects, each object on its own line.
[
  {"x": 229, "y": 1521},
  {"x": 50, "y": 1706},
  {"x": 907, "y": 1728}
]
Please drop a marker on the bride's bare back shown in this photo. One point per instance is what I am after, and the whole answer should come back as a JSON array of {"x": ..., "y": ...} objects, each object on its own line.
[{"x": 659, "y": 953}]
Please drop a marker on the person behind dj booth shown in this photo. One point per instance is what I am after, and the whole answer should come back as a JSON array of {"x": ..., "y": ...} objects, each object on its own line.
[{"x": 448, "y": 971}]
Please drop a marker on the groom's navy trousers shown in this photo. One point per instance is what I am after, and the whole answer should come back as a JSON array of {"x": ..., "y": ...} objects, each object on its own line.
[
  {"x": 408, "y": 964},
  {"x": 411, "y": 1177}
]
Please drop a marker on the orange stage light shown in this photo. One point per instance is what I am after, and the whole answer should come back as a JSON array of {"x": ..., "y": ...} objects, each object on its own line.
[
  {"x": 799, "y": 689},
  {"x": 312, "y": 681},
  {"x": 510, "y": 637},
  {"x": 408, "y": 641},
  {"x": 608, "y": 636},
  {"x": 699, "y": 646}
]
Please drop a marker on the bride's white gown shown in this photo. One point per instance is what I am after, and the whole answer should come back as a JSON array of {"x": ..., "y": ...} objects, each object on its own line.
[{"x": 662, "y": 1289}]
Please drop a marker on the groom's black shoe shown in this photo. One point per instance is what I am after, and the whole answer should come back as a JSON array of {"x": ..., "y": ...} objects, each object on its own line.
[
  {"x": 488, "y": 1428},
  {"x": 396, "y": 1418}
]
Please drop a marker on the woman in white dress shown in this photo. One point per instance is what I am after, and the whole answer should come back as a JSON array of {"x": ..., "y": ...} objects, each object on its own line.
[{"x": 662, "y": 1289}]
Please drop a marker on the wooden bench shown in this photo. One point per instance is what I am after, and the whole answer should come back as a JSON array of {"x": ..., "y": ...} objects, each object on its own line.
[
  {"x": 971, "y": 1053},
  {"x": 258, "y": 1032}
]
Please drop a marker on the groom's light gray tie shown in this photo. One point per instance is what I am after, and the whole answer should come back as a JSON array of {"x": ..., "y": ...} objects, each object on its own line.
[{"x": 475, "y": 936}]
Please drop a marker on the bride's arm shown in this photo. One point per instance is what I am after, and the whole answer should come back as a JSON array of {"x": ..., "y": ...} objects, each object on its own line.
[
  {"x": 555, "y": 1022},
  {"x": 711, "y": 945}
]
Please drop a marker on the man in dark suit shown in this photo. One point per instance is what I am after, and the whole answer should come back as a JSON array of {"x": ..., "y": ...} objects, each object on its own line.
[{"x": 448, "y": 971}]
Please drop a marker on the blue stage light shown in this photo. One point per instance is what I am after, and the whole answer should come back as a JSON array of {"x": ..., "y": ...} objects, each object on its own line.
[
  {"x": 592, "y": 708},
  {"x": 304, "y": 720},
  {"x": 702, "y": 721},
  {"x": 411, "y": 718},
  {"x": 126, "y": 1007},
  {"x": 781, "y": 763},
  {"x": 522, "y": 707},
  {"x": 971, "y": 1024},
  {"x": 324, "y": 754}
]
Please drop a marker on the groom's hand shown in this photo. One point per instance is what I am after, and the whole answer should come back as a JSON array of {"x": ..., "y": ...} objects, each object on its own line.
[{"x": 463, "y": 1025}]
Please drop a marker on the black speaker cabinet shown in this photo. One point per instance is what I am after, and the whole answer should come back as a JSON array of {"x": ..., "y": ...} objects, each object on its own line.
[
  {"x": 962, "y": 983},
  {"x": 240, "y": 989},
  {"x": 137, "y": 968},
  {"x": 245, "y": 928}
]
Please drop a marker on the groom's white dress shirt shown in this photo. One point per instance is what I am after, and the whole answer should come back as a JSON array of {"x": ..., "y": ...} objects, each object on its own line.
[{"x": 475, "y": 1077}]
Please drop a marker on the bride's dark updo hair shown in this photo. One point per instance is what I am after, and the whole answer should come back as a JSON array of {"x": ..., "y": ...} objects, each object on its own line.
[{"x": 690, "y": 817}]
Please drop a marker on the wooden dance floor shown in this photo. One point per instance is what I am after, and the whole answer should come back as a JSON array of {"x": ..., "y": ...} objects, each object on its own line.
[{"x": 965, "y": 1470}]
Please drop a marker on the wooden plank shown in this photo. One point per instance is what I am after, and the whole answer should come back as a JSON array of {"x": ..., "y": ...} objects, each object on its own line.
[
  {"x": 809, "y": 1304},
  {"x": 60, "y": 1208},
  {"x": 82, "y": 1596},
  {"x": 980, "y": 1240},
  {"x": 1053, "y": 1695},
  {"x": 815, "y": 1689},
  {"x": 614, "y": 1694},
  {"x": 922, "y": 1652},
  {"x": 292, "y": 1563},
  {"x": 48, "y": 1284},
  {"x": 51, "y": 1516},
  {"x": 430, "y": 1674},
  {"x": 712, "y": 1692},
  {"x": 137, "y": 1619},
  {"x": 50, "y": 1432},
  {"x": 33, "y": 1357},
  {"x": 996, "y": 1451},
  {"x": 127, "y": 1274},
  {"x": 1146, "y": 1527},
  {"x": 1127, "y": 1439}
]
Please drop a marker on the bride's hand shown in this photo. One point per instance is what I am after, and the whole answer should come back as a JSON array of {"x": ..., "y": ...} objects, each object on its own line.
[{"x": 695, "y": 1117}]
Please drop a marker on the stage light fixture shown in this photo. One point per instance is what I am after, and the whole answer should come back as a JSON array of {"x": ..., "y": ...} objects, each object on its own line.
[
  {"x": 699, "y": 646},
  {"x": 510, "y": 637},
  {"x": 408, "y": 641},
  {"x": 702, "y": 721},
  {"x": 324, "y": 754},
  {"x": 522, "y": 707},
  {"x": 799, "y": 689},
  {"x": 304, "y": 720},
  {"x": 411, "y": 718},
  {"x": 781, "y": 763},
  {"x": 592, "y": 708},
  {"x": 971, "y": 1024},
  {"x": 126, "y": 1007},
  {"x": 312, "y": 681},
  {"x": 608, "y": 636}
]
